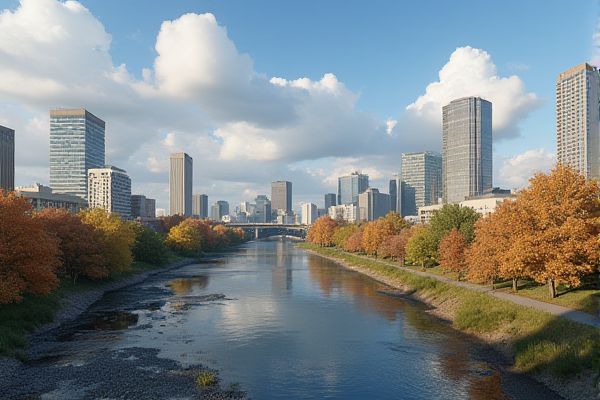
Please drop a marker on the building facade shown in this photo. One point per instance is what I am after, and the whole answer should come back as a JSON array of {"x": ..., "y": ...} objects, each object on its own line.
[
  {"x": 150, "y": 208},
  {"x": 7, "y": 159},
  {"x": 40, "y": 197},
  {"x": 138, "y": 206},
  {"x": 109, "y": 188},
  {"x": 467, "y": 148},
  {"x": 218, "y": 210},
  {"x": 344, "y": 212},
  {"x": 373, "y": 205},
  {"x": 421, "y": 181},
  {"x": 350, "y": 186},
  {"x": 281, "y": 196},
  {"x": 330, "y": 200},
  {"x": 180, "y": 184},
  {"x": 578, "y": 119},
  {"x": 262, "y": 212},
  {"x": 76, "y": 145},
  {"x": 309, "y": 213},
  {"x": 395, "y": 189},
  {"x": 200, "y": 206}
]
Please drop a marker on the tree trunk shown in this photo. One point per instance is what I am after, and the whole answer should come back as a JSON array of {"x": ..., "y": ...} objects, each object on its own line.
[
  {"x": 515, "y": 285},
  {"x": 423, "y": 265},
  {"x": 551, "y": 288}
]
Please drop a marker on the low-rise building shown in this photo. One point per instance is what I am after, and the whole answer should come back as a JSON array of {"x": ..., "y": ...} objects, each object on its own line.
[
  {"x": 345, "y": 212},
  {"x": 40, "y": 197},
  {"x": 426, "y": 212}
]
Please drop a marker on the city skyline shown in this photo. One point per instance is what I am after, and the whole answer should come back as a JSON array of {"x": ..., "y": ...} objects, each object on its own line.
[{"x": 225, "y": 167}]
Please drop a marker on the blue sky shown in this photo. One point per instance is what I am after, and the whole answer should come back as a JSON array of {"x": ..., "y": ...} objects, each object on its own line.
[{"x": 384, "y": 52}]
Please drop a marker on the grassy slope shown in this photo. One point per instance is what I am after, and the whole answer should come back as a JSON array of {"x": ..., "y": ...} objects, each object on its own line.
[{"x": 539, "y": 340}]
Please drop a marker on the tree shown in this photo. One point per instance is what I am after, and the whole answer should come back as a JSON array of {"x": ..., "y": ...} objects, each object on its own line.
[
  {"x": 169, "y": 221},
  {"x": 562, "y": 243},
  {"x": 354, "y": 242},
  {"x": 394, "y": 247},
  {"x": 374, "y": 233},
  {"x": 186, "y": 237},
  {"x": 80, "y": 248},
  {"x": 452, "y": 252},
  {"x": 397, "y": 222},
  {"x": 28, "y": 255},
  {"x": 117, "y": 237},
  {"x": 342, "y": 233},
  {"x": 321, "y": 232},
  {"x": 148, "y": 246},
  {"x": 421, "y": 247},
  {"x": 453, "y": 216}
]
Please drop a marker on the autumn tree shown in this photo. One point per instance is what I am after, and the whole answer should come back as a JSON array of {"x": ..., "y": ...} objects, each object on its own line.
[
  {"x": 80, "y": 248},
  {"x": 169, "y": 221},
  {"x": 421, "y": 247},
  {"x": 453, "y": 216},
  {"x": 342, "y": 233},
  {"x": 452, "y": 252},
  {"x": 117, "y": 237},
  {"x": 394, "y": 246},
  {"x": 321, "y": 232},
  {"x": 354, "y": 242},
  {"x": 28, "y": 254},
  {"x": 186, "y": 237},
  {"x": 148, "y": 246}
]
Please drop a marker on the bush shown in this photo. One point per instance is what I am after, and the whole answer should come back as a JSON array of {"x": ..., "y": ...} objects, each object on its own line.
[{"x": 206, "y": 378}]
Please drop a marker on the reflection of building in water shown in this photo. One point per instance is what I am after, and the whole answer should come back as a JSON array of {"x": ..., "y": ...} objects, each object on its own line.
[
  {"x": 281, "y": 271},
  {"x": 188, "y": 285}
]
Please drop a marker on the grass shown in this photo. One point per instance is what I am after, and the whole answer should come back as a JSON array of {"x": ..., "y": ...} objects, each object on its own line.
[
  {"x": 540, "y": 341},
  {"x": 206, "y": 378}
]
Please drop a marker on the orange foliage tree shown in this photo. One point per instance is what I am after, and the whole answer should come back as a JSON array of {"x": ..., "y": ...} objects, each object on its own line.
[
  {"x": 354, "y": 242},
  {"x": 186, "y": 237},
  {"x": 28, "y": 255},
  {"x": 394, "y": 246},
  {"x": 321, "y": 232},
  {"x": 452, "y": 252},
  {"x": 80, "y": 248},
  {"x": 375, "y": 232}
]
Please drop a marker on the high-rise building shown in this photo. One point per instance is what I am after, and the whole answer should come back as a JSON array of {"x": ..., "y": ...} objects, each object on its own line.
[
  {"x": 7, "y": 159},
  {"x": 395, "y": 189},
  {"x": 467, "y": 148},
  {"x": 421, "y": 181},
  {"x": 76, "y": 145},
  {"x": 578, "y": 119},
  {"x": 350, "y": 186},
  {"x": 109, "y": 188},
  {"x": 330, "y": 200},
  {"x": 262, "y": 212},
  {"x": 180, "y": 181},
  {"x": 373, "y": 205},
  {"x": 138, "y": 206},
  {"x": 281, "y": 196},
  {"x": 218, "y": 210},
  {"x": 309, "y": 213},
  {"x": 150, "y": 208},
  {"x": 200, "y": 206}
]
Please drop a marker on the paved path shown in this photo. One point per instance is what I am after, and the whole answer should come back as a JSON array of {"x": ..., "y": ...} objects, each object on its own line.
[{"x": 554, "y": 309}]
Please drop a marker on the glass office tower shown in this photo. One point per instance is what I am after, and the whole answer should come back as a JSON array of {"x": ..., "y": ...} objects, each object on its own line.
[
  {"x": 7, "y": 159},
  {"x": 421, "y": 181},
  {"x": 350, "y": 186},
  {"x": 76, "y": 145},
  {"x": 467, "y": 148}
]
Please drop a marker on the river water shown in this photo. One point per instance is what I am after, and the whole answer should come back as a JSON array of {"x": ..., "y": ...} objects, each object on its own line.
[{"x": 285, "y": 324}]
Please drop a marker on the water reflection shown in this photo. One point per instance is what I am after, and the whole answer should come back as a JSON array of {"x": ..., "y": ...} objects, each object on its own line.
[{"x": 183, "y": 286}]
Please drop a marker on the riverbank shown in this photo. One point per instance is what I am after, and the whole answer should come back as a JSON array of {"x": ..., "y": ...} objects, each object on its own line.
[{"x": 562, "y": 354}]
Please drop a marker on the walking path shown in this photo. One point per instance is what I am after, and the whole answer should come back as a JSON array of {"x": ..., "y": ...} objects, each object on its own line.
[{"x": 554, "y": 309}]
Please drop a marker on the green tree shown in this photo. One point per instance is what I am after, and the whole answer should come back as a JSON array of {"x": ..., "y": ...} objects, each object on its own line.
[
  {"x": 148, "y": 246},
  {"x": 421, "y": 247},
  {"x": 342, "y": 233},
  {"x": 453, "y": 216}
]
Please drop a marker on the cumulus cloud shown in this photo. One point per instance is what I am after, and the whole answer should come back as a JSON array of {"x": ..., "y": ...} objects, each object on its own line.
[{"x": 516, "y": 171}]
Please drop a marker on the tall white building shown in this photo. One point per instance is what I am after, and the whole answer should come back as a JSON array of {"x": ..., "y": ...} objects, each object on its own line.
[
  {"x": 180, "y": 184},
  {"x": 109, "y": 188},
  {"x": 578, "y": 119},
  {"x": 309, "y": 213}
]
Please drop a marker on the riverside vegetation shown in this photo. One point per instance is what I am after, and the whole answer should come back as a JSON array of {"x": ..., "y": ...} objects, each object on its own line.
[
  {"x": 46, "y": 255},
  {"x": 547, "y": 237}
]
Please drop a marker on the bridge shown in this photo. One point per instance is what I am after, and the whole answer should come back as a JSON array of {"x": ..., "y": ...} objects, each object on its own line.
[{"x": 263, "y": 230}]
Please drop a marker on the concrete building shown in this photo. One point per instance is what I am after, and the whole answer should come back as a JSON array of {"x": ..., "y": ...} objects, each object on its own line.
[
  {"x": 350, "y": 186},
  {"x": 76, "y": 145},
  {"x": 138, "y": 206},
  {"x": 426, "y": 212},
  {"x": 373, "y": 205},
  {"x": 150, "y": 208},
  {"x": 200, "y": 206},
  {"x": 330, "y": 200},
  {"x": 40, "y": 197},
  {"x": 309, "y": 213},
  {"x": 421, "y": 181},
  {"x": 218, "y": 210},
  {"x": 344, "y": 212},
  {"x": 262, "y": 212},
  {"x": 281, "y": 196},
  {"x": 395, "y": 189},
  {"x": 578, "y": 119},
  {"x": 180, "y": 184},
  {"x": 109, "y": 188},
  {"x": 7, "y": 159},
  {"x": 467, "y": 148}
]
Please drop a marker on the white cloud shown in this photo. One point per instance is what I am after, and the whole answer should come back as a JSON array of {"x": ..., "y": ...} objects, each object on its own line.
[
  {"x": 390, "y": 124},
  {"x": 516, "y": 171},
  {"x": 596, "y": 46}
]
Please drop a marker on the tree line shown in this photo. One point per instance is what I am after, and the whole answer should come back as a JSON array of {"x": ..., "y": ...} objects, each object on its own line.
[
  {"x": 38, "y": 249},
  {"x": 549, "y": 234}
]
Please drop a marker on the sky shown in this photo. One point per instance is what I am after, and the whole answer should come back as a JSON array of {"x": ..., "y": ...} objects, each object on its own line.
[{"x": 302, "y": 91}]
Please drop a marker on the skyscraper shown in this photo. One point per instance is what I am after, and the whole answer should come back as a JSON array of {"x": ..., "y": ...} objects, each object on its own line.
[
  {"x": 7, "y": 159},
  {"x": 281, "y": 196},
  {"x": 578, "y": 119},
  {"x": 218, "y": 210},
  {"x": 262, "y": 213},
  {"x": 421, "y": 181},
  {"x": 395, "y": 189},
  {"x": 467, "y": 148},
  {"x": 76, "y": 145},
  {"x": 200, "y": 206},
  {"x": 109, "y": 188},
  {"x": 350, "y": 186},
  {"x": 309, "y": 213},
  {"x": 373, "y": 205},
  {"x": 330, "y": 200},
  {"x": 180, "y": 182}
]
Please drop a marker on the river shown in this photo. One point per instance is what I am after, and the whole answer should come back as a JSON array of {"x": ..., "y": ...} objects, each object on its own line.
[{"x": 284, "y": 324}]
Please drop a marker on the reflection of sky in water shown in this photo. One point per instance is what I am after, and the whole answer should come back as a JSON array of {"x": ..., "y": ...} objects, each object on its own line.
[{"x": 295, "y": 325}]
